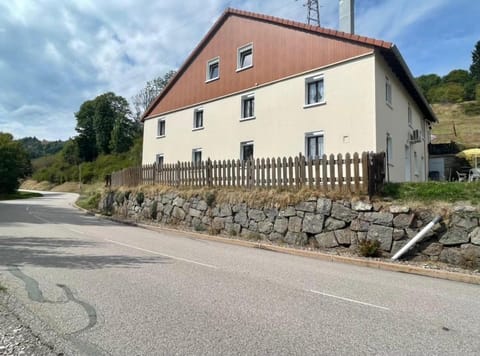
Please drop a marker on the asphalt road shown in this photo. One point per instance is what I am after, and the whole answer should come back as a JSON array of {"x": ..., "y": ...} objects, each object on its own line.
[{"x": 112, "y": 289}]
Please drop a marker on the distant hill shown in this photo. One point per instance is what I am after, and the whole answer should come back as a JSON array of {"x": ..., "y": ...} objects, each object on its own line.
[
  {"x": 37, "y": 148},
  {"x": 458, "y": 122}
]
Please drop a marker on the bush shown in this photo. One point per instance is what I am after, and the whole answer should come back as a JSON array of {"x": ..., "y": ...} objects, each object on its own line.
[
  {"x": 210, "y": 198},
  {"x": 369, "y": 248},
  {"x": 153, "y": 210},
  {"x": 140, "y": 197},
  {"x": 90, "y": 202}
]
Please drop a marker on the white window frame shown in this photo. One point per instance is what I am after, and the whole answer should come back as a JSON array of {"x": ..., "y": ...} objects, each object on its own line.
[
  {"x": 310, "y": 80},
  {"x": 194, "y": 152},
  {"x": 240, "y": 51},
  {"x": 245, "y": 98},
  {"x": 243, "y": 145},
  {"x": 157, "y": 159},
  {"x": 195, "y": 112},
  {"x": 159, "y": 123},
  {"x": 388, "y": 92},
  {"x": 314, "y": 134},
  {"x": 210, "y": 63}
]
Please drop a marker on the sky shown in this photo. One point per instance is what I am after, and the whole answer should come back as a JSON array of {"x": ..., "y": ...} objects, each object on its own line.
[{"x": 56, "y": 54}]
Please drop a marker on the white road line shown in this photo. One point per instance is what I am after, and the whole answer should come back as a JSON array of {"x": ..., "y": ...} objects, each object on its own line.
[
  {"x": 41, "y": 219},
  {"x": 347, "y": 299},
  {"x": 76, "y": 231},
  {"x": 163, "y": 254}
]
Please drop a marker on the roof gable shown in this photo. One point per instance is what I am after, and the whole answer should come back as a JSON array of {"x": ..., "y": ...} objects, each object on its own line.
[{"x": 282, "y": 48}]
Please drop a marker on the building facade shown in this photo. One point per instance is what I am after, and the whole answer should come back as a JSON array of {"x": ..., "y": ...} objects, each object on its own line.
[{"x": 258, "y": 86}]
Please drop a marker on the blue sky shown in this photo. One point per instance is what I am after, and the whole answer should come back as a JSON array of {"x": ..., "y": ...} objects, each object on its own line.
[{"x": 54, "y": 55}]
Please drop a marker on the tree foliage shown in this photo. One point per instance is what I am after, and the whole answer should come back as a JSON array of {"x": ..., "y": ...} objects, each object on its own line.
[
  {"x": 475, "y": 67},
  {"x": 152, "y": 89},
  {"x": 36, "y": 148},
  {"x": 14, "y": 163},
  {"x": 104, "y": 126}
]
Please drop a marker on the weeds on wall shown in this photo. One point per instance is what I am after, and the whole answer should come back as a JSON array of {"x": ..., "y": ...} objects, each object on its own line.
[{"x": 369, "y": 248}]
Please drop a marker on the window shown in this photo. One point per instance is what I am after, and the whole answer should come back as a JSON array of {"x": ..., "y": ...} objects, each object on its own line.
[
  {"x": 159, "y": 160},
  {"x": 213, "y": 69},
  {"x": 388, "y": 91},
  {"x": 246, "y": 150},
  {"x": 314, "y": 90},
  {"x": 410, "y": 120},
  {"x": 314, "y": 144},
  {"x": 197, "y": 155},
  {"x": 198, "y": 119},
  {"x": 248, "y": 106},
  {"x": 161, "y": 128},
  {"x": 245, "y": 57}
]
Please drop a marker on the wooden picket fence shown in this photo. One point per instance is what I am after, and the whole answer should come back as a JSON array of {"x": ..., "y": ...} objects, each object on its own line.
[{"x": 356, "y": 173}]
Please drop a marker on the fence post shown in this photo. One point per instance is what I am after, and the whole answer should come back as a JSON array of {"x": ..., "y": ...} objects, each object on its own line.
[{"x": 208, "y": 172}]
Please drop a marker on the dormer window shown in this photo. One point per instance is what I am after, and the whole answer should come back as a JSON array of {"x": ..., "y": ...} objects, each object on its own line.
[
  {"x": 213, "y": 69},
  {"x": 245, "y": 57}
]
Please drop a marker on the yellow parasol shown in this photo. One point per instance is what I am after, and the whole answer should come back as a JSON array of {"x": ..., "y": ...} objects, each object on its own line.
[{"x": 472, "y": 155}]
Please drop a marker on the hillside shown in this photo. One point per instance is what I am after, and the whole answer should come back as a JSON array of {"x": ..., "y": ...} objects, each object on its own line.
[{"x": 455, "y": 125}]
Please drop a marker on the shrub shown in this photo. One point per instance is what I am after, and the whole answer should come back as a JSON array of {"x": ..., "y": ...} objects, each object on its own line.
[
  {"x": 153, "y": 210},
  {"x": 119, "y": 197},
  {"x": 90, "y": 202},
  {"x": 210, "y": 198},
  {"x": 140, "y": 197},
  {"x": 369, "y": 248}
]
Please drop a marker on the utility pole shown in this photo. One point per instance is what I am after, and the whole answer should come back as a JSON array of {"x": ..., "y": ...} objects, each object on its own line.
[{"x": 313, "y": 12}]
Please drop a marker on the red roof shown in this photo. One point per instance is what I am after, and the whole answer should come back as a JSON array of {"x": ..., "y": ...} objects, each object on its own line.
[{"x": 387, "y": 49}]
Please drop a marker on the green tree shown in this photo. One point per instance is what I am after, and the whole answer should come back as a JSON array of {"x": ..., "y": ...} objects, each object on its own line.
[
  {"x": 122, "y": 135},
  {"x": 447, "y": 93},
  {"x": 86, "y": 139},
  {"x": 103, "y": 122},
  {"x": 152, "y": 89},
  {"x": 427, "y": 82},
  {"x": 459, "y": 76},
  {"x": 475, "y": 67},
  {"x": 70, "y": 153},
  {"x": 14, "y": 163}
]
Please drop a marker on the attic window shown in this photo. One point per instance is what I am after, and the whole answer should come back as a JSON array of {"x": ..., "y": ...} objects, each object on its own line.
[
  {"x": 161, "y": 128},
  {"x": 245, "y": 57},
  {"x": 213, "y": 69},
  {"x": 314, "y": 91}
]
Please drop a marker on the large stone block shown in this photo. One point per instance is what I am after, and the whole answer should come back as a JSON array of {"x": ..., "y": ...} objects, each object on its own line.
[
  {"x": 384, "y": 234},
  {"x": 178, "y": 201},
  {"x": 241, "y": 218},
  {"x": 178, "y": 213},
  {"x": 265, "y": 227},
  {"x": 455, "y": 236},
  {"x": 332, "y": 224},
  {"x": 194, "y": 213},
  {"x": 359, "y": 225},
  {"x": 402, "y": 221},
  {"x": 271, "y": 213},
  {"x": 275, "y": 236},
  {"x": 467, "y": 223},
  {"x": 288, "y": 212},
  {"x": 313, "y": 223},
  {"x": 452, "y": 256},
  {"x": 475, "y": 236},
  {"x": 341, "y": 212},
  {"x": 202, "y": 205},
  {"x": 433, "y": 249},
  {"x": 306, "y": 206},
  {"x": 326, "y": 240},
  {"x": 218, "y": 223},
  {"x": 345, "y": 236},
  {"x": 257, "y": 215},
  {"x": 295, "y": 224},
  {"x": 281, "y": 225},
  {"x": 361, "y": 206},
  {"x": 384, "y": 219},
  {"x": 399, "y": 209},
  {"x": 324, "y": 206},
  {"x": 296, "y": 238}
]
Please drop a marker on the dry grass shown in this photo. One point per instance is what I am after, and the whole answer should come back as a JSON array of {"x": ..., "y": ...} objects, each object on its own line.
[
  {"x": 259, "y": 198},
  {"x": 31, "y": 184},
  {"x": 467, "y": 128}
]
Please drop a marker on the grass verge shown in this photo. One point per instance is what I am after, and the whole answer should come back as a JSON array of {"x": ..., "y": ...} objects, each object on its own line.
[
  {"x": 19, "y": 195},
  {"x": 428, "y": 192}
]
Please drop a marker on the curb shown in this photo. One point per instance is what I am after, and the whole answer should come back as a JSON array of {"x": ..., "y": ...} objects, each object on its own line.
[{"x": 356, "y": 261}]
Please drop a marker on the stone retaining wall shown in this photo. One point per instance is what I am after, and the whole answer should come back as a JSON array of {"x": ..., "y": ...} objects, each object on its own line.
[{"x": 316, "y": 222}]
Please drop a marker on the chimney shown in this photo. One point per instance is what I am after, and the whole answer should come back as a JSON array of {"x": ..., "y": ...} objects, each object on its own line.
[{"x": 347, "y": 16}]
